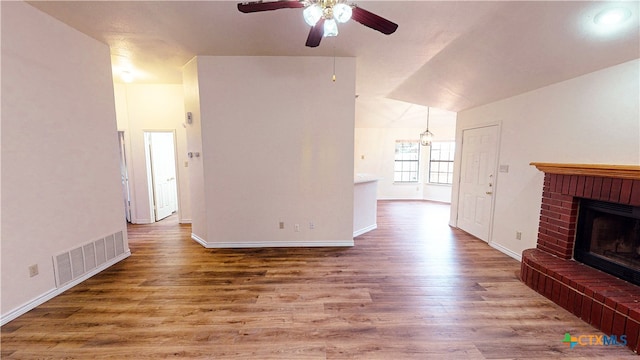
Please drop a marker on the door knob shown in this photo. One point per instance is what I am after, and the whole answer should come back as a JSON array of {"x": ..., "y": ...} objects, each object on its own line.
[{"x": 489, "y": 192}]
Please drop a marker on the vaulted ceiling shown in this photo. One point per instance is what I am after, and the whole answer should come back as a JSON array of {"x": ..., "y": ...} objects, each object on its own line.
[{"x": 451, "y": 55}]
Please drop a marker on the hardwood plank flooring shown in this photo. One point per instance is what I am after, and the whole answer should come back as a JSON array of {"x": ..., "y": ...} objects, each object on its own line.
[{"x": 412, "y": 289}]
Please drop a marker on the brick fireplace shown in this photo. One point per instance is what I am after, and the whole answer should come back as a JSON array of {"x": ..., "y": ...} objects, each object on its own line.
[{"x": 602, "y": 300}]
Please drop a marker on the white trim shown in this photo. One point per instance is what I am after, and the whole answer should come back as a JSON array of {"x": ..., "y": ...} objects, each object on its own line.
[
  {"x": 418, "y": 197},
  {"x": 142, "y": 221},
  {"x": 506, "y": 251},
  {"x": 199, "y": 240},
  {"x": 11, "y": 315},
  {"x": 185, "y": 221},
  {"x": 365, "y": 230},
  {"x": 271, "y": 244}
]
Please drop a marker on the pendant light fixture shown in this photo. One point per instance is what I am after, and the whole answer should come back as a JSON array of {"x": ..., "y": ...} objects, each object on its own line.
[{"x": 427, "y": 136}]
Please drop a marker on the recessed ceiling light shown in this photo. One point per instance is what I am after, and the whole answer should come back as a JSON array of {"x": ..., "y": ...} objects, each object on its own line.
[{"x": 613, "y": 16}]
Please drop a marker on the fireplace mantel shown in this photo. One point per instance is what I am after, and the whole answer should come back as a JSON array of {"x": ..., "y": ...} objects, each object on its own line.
[{"x": 604, "y": 170}]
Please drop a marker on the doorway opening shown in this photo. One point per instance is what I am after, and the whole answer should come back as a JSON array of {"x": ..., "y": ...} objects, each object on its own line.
[{"x": 161, "y": 173}]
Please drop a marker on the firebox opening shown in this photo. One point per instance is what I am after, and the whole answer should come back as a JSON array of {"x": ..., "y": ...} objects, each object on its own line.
[{"x": 608, "y": 238}]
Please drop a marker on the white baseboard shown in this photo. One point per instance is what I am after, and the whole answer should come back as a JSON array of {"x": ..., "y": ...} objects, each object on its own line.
[
  {"x": 270, "y": 244},
  {"x": 199, "y": 240},
  {"x": 185, "y": 221},
  {"x": 365, "y": 230},
  {"x": 506, "y": 251},
  {"x": 142, "y": 221},
  {"x": 11, "y": 315}
]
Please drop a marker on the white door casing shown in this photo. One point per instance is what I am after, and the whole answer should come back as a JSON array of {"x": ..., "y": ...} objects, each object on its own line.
[{"x": 477, "y": 180}]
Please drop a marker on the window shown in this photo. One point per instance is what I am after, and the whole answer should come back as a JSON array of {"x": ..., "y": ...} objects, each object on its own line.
[
  {"x": 407, "y": 161},
  {"x": 441, "y": 162}
]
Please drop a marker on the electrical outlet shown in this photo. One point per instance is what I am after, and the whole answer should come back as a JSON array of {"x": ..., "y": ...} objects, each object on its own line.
[
  {"x": 296, "y": 227},
  {"x": 281, "y": 225},
  {"x": 312, "y": 225},
  {"x": 33, "y": 270},
  {"x": 518, "y": 235}
]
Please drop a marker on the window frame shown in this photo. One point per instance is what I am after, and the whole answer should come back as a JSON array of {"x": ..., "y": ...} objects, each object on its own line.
[
  {"x": 449, "y": 160},
  {"x": 413, "y": 165}
]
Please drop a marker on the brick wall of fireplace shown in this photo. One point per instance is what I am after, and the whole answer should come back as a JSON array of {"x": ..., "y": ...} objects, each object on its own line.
[{"x": 606, "y": 302}]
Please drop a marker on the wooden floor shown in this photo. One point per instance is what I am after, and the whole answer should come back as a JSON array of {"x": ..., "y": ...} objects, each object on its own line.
[{"x": 412, "y": 289}]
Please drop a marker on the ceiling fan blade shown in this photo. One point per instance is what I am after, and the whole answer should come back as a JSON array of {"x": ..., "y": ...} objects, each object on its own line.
[
  {"x": 257, "y": 6},
  {"x": 315, "y": 34},
  {"x": 373, "y": 21}
]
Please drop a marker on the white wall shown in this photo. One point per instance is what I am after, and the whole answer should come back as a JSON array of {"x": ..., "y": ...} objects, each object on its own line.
[
  {"x": 60, "y": 174},
  {"x": 194, "y": 145},
  {"x": 277, "y": 145},
  {"x": 377, "y": 146},
  {"x": 591, "y": 119},
  {"x": 156, "y": 107}
]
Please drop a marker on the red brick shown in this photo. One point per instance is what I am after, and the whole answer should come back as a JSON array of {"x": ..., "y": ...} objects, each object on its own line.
[
  {"x": 616, "y": 185},
  {"x": 632, "y": 330},
  {"x": 577, "y": 305},
  {"x": 571, "y": 299},
  {"x": 607, "y": 320},
  {"x": 619, "y": 322},
  {"x": 635, "y": 194},
  {"x": 549, "y": 214},
  {"x": 622, "y": 308},
  {"x": 573, "y": 184},
  {"x": 605, "y": 191},
  {"x": 586, "y": 309},
  {"x": 566, "y": 182},
  {"x": 564, "y": 297},
  {"x": 597, "y": 185},
  {"x": 588, "y": 186},
  {"x": 596, "y": 314},
  {"x": 553, "y": 178},
  {"x": 566, "y": 199},
  {"x": 568, "y": 233},
  {"x": 580, "y": 186},
  {"x": 548, "y": 287},
  {"x": 625, "y": 191},
  {"x": 540, "y": 280}
]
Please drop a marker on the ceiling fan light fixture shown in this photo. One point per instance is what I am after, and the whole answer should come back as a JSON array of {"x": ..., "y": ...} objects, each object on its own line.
[
  {"x": 312, "y": 14},
  {"x": 342, "y": 12},
  {"x": 330, "y": 28}
]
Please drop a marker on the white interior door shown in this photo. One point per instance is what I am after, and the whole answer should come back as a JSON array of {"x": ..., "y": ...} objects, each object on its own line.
[
  {"x": 124, "y": 176},
  {"x": 477, "y": 180},
  {"x": 163, "y": 173}
]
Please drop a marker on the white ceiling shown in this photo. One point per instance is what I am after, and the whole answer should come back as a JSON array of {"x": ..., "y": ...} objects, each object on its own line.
[{"x": 451, "y": 55}]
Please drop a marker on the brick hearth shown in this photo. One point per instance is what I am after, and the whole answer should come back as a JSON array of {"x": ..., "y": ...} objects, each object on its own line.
[{"x": 604, "y": 301}]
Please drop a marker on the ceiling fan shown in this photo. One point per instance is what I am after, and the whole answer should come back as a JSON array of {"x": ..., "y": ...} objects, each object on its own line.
[{"x": 324, "y": 15}]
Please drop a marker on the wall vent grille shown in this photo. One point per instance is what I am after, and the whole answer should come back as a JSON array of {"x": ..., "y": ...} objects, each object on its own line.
[{"x": 76, "y": 262}]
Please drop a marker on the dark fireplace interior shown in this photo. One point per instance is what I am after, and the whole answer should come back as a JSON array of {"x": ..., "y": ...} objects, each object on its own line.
[{"x": 608, "y": 238}]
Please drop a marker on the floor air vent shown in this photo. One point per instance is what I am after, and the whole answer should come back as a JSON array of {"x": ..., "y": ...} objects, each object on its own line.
[{"x": 73, "y": 264}]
